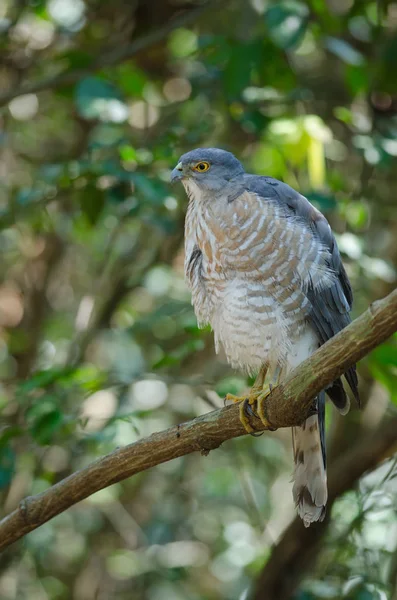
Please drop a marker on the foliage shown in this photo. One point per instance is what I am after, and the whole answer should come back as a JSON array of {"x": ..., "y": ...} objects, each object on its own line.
[{"x": 98, "y": 342}]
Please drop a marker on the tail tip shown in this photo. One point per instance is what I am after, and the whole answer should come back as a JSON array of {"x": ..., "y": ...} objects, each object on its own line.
[
  {"x": 307, "y": 509},
  {"x": 313, "y": 516}
]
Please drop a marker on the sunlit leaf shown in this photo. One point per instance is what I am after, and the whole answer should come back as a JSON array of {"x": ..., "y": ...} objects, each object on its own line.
[
  {"x": 98, "y": 99},
  {"x": 316, "y": 163},
  {"x": 182, "y": 42},
  {"x": 344, "y": 51},
  {"x": 286, "y": 22}
]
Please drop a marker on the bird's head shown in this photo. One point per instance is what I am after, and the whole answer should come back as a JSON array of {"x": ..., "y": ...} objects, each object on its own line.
[{"x": 211, "y": 169}]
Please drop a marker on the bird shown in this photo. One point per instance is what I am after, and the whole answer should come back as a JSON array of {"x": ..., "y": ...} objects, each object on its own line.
[{"x": 265, "y": 273}]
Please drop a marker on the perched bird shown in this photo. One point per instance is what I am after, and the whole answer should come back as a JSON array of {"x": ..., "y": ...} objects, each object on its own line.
[{"x": 265, "y": 272}]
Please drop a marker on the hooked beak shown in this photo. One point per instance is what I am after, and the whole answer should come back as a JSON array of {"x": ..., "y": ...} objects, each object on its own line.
[{"x": 177, "y": 173}]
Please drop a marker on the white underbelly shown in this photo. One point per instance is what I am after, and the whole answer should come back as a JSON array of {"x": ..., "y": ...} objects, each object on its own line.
[{"x": 253, "y": 329}]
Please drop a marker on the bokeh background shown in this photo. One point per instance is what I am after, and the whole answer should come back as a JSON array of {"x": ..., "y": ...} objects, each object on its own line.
[{"x": 98, "y": 341}]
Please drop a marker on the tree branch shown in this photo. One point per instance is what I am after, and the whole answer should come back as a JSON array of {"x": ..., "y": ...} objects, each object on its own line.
[
  {"x": 287, "y": 405},
  {"x": 114, "y": 57}
]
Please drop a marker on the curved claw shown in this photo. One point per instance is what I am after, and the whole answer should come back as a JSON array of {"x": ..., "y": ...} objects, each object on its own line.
[
  {"x": 248, "y": 408},
  {"x": 248, "y": 411},
  {"x": 257, "y": 433}
]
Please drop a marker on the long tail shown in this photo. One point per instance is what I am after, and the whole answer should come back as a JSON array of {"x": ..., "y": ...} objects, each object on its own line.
[{"x": 310, "y": 477}]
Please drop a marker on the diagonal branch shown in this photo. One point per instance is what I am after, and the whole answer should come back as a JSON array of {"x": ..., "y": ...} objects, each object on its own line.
[
  {"x": 110, "y": 59},
  {"x": 287, "y": 405}
]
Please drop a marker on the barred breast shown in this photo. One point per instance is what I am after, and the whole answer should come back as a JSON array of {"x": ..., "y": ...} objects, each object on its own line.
[{"x": 248, "y": 265}]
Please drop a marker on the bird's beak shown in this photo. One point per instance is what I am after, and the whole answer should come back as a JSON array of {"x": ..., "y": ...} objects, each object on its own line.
[{"x": 177, "y": 173}]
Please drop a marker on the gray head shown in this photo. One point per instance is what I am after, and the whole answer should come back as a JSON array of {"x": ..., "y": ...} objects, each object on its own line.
[{"x": 209, "y": 168}]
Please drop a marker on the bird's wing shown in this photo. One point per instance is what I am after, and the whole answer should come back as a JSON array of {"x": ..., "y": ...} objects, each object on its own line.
[{"x": 330, "y": 305}]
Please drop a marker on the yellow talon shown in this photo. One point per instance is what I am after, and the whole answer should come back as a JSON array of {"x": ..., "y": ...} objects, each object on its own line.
[
  {"x": 245, "y": 419},
  {"x": 251, "y": 398},
  {"x": 260, "y": 404},
  {"x": 256, "y": 398}
]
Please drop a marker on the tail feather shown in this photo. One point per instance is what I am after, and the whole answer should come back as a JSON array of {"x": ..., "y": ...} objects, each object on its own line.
[
  {"x": 310, "y": 478},
  {"x": 339, "y": 397}
]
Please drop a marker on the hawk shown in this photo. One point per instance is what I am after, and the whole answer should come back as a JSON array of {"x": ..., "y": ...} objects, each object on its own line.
[{"x": 265, "y": 272}]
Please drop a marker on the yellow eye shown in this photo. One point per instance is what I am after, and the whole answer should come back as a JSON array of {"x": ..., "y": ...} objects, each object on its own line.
[{"x": 201, "y": 167}]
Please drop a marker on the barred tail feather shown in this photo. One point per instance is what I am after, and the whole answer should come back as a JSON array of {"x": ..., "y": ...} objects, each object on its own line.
[{"x": 310, "y": 478}]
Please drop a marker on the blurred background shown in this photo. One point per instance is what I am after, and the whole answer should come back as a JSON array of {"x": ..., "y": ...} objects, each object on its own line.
[{"x": 99, "y": 345}]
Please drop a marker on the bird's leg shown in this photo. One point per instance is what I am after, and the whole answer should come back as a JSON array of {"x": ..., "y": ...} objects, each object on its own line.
[
  {"x": 250, "y": 399},
  {"x": 253, "y": 403},
  {"x": 272, "y": 380}
]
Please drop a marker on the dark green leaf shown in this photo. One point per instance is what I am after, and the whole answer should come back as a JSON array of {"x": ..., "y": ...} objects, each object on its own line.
[
  {"x": 7, "y": 465},
  {"x": 45, "y": 427},
  {"x": 237, "y": 74},
  {"x": 325, "y": 202},
  {"x": 386, "y": 354},
  {"x": 92, "y": 202},
  {"x": 92, "y": 95},
  {"x": 42, "y": 379}
]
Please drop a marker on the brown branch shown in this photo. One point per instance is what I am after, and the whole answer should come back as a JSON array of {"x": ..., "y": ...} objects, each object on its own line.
[
  {"x": 287, "y": 405},
  {"x": 112, "y": 58},
  {"x": 298, "y": 548}
]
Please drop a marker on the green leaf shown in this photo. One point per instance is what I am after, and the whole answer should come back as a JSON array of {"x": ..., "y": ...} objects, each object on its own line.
[
  {"x": 383, "y": 375},
  {"x": 76, "y": 59},
  {"x": 237, "y": 74},
  {"x": 287, "y": 22},
  {"x": 45, "y": 427},
  {"x": 7, "y": 465},
  {"x": 8, "y": 433},
  {"x": 92, "y": 202},
  {"x": 182, "y": 42},
  {"x": 127, "y": 152},
  {"x": 386, "y": 354},
  {"x": 166, "y": 361},
  {"x": 152, "y": 189},
  {"x": 325, "y": 202},
  {"x": 131, "y": 80},
  {"x": 95, "y": 99},
  {"x": 230, "y": 385},
  {"x": 357, "y": 79},
  {"x": 42, "y": 379}
]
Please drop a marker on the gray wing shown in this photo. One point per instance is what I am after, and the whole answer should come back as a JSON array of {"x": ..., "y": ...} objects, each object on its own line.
[{"x": 330, "y": 307}]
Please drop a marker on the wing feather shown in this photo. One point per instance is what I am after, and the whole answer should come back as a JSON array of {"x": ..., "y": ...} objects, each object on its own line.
[{"x": 330, "y": 305}]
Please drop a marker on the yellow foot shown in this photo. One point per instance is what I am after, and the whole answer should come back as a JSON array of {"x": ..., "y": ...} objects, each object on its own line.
[
  {"x": 250, "y": 400},
  {"x": 260, "y": 404},
  {"x": 252, "y": 403}
]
